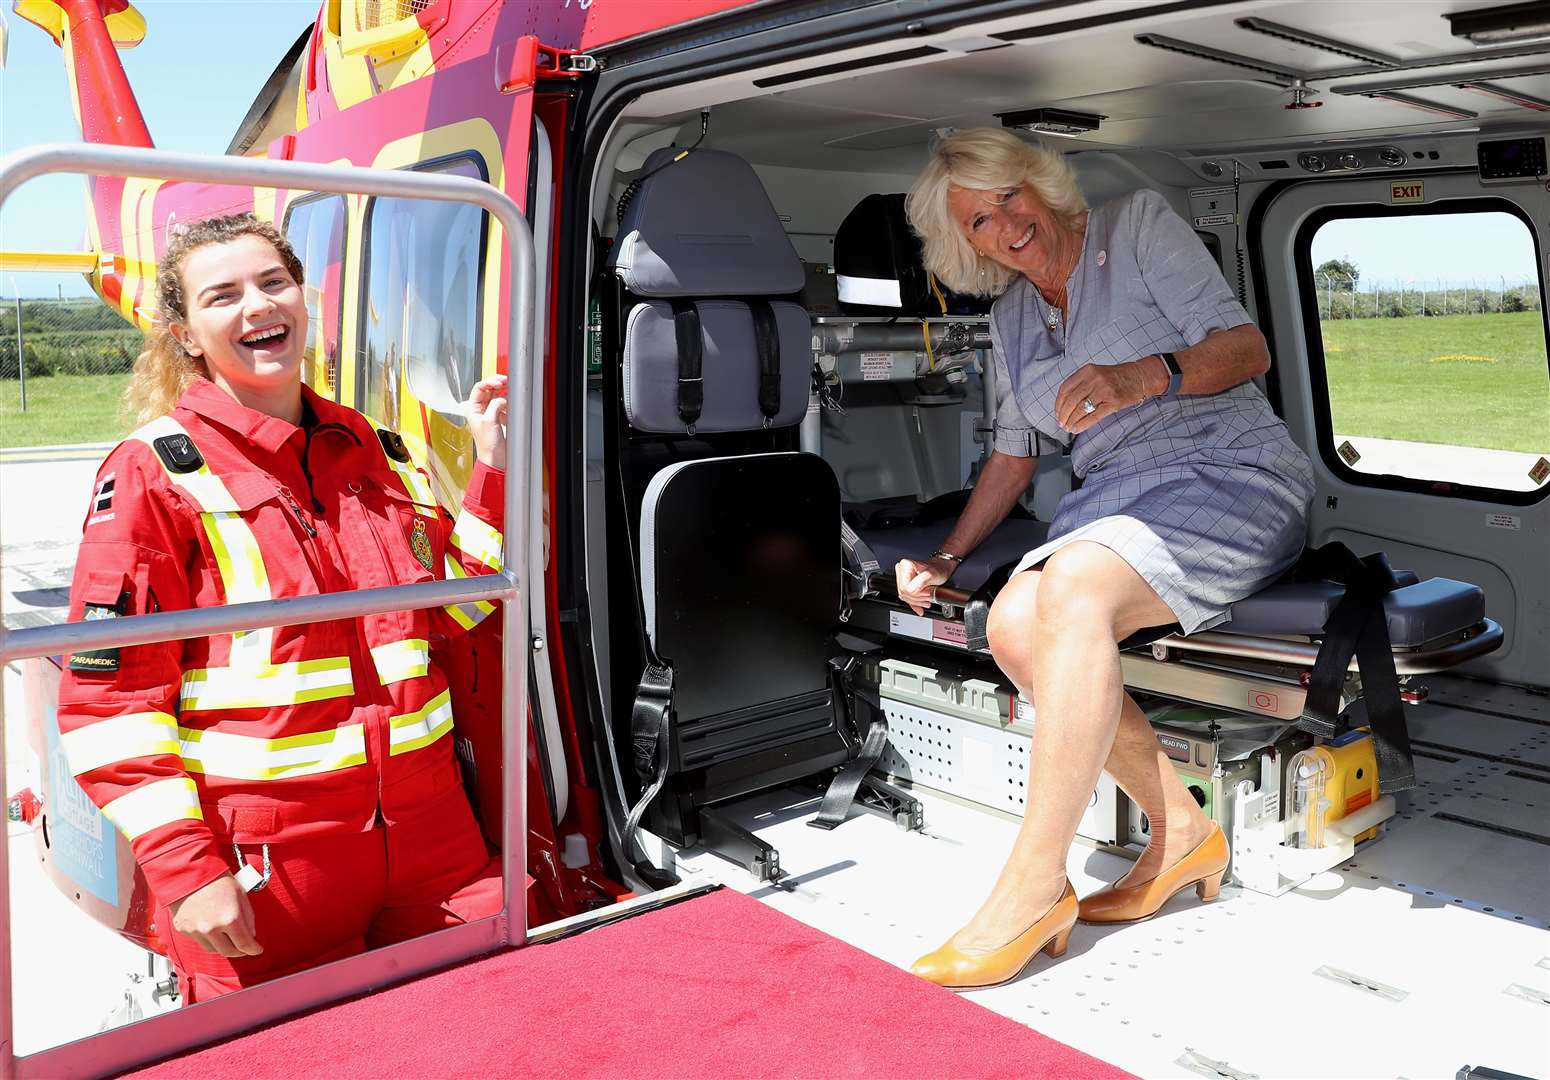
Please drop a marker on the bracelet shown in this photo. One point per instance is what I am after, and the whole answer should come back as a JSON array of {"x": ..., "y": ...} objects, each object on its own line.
[{"x": 947, "y": 555}]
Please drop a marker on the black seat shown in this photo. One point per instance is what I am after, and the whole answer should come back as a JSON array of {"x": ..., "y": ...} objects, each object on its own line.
[{"x": 738, "y": 532}]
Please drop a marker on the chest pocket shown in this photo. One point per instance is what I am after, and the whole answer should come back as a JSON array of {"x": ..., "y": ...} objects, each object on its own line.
[
  {"x": 411, "y": 534},
  {"x": 228, "y": 511}
]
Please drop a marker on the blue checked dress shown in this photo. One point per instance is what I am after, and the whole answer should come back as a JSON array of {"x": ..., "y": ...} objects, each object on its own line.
[{"x": 1205, "y": 496}]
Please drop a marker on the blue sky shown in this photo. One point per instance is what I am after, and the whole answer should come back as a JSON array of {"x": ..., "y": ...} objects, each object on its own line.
[
  {"x": 195, "y": 74},
  {"x": 1425, "y": 251}
]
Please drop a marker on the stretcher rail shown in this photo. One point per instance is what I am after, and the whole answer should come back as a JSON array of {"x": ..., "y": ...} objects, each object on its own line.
[{"x": 116, "y": 1050}]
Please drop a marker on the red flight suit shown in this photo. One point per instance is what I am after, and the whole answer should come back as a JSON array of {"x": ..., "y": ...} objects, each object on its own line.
[{"x": 326, "y": 749}]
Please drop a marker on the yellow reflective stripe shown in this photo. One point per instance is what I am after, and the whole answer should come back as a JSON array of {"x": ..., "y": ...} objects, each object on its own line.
[
  {"x": 422, "y": 727},
  {"x": 153, "y": 805},
  {"x": 467, "y": 615},
  {"x": 416, "y": 483},
  {"x": 119, "y": 738},
  {"x": 247, "y": 757},
  {"x": 269, "y": 686},
  {"x": 250, "y": 680},
  {"x": 400, "y": 660},
  {"x": 477, "y": 539}
]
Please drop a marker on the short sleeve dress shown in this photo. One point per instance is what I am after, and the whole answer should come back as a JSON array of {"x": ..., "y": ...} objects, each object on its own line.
[{"x": 1206, "y": 496}]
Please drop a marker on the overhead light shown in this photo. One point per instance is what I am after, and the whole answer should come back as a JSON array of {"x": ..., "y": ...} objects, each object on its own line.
[
  {"x": 1061, "y": 122},
  {"x": 1316, "y": 41},
  {"x": 1521, "y": 24},
  {"x": 1206, "y": 52},
  {"x": 1426, "y": 106},
  {"x": 1455, "y": 78},
  {"x": 1528, "y": 101}
]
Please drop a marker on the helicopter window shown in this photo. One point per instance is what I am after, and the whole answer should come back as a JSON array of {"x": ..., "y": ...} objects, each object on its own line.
[
  {"x": 315, "y": 227},
  {"x": 421, "y": 303},
  {"x": 1427, "y": 347}
]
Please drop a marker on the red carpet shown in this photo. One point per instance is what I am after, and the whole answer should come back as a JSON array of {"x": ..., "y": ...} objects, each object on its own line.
[{"x": 719, "y": 986}]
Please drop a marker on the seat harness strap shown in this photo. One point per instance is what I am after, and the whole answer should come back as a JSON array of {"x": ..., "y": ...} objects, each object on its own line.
[
  {"x": 691, "y": 358},
  {"x": 1358, "y": 626},
  {"x": 841, "y": 794},
  {"x": 766, "y": 335}
]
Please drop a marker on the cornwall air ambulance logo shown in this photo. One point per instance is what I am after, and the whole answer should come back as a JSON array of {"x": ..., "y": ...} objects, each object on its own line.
[{"x": 420, "y": 544}]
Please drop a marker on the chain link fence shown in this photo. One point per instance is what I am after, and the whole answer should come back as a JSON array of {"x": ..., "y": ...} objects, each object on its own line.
[
  {"x": 72, "y": 336},
  {"x": 1341, "y": 297}
]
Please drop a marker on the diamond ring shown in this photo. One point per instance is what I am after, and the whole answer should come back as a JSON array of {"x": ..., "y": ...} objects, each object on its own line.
[{"x": 1088, "y": 407}]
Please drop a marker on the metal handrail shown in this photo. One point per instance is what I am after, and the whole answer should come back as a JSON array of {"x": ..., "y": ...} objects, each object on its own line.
[{"x": 114, "y": 1050}]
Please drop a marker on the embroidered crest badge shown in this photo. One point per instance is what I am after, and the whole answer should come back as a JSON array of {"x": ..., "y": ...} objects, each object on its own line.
[{"x": 420, "y": 544}]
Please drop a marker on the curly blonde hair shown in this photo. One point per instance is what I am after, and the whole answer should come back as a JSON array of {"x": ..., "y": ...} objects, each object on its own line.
[
  {"x": 165, "y": 369},
  {"x": 983, "y": 159}
]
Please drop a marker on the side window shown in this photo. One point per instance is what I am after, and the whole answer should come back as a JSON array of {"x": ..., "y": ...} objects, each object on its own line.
[
  {"x": 315, "y": 228},
  {"x": 421, "y": 300},
  {"x": 1431, "y": 341}
]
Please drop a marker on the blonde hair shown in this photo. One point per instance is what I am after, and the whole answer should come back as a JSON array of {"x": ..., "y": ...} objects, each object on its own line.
[
  {"x": 983, "y": 159},
  {"x": 165, "y": 369}
]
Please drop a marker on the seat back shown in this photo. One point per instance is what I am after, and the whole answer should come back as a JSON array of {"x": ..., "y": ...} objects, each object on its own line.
[{"x": 738, "y": 552}]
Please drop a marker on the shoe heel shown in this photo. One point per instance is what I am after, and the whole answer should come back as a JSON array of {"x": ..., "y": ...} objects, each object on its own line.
[
  {"x": 1209, "y": 888},
  {"x": 1057, "y": 945}
]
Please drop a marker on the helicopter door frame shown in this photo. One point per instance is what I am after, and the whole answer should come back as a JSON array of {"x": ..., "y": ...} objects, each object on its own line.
[{"x": 116, "y": 1050}]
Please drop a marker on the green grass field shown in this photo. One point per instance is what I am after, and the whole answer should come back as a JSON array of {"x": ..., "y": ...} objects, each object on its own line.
[
  {"x": 1462, "y": 380},
  {"x": 62, "y": 409}
]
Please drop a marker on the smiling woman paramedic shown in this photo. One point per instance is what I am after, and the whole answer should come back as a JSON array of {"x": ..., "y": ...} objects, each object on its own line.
[
  {"x": 315, "y": 760},
  {"x": 1115, "y": 336}
]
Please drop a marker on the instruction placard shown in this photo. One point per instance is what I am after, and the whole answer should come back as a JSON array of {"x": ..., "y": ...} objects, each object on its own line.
[{"x": 876, "y": 366}]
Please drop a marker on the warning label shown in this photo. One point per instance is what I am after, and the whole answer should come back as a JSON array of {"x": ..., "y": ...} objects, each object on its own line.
[{"x": 876, "y": 366}]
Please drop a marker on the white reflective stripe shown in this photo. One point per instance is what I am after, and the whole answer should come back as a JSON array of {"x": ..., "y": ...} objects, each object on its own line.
[
  {"x": 878, "y": 292},
  {"x": 153, "y": 805},
  {"x": 119, "y": 738},
  {"x": 467, "y": 615},
  {"x": 477, "y": 539},
  {"x": 400, "y": 660},
  {"x": 270, "y": 686},
  {"x": 246, "y": 757},
  {"x": 250, "y": 680},
  {"x": 422, "y": 727}
]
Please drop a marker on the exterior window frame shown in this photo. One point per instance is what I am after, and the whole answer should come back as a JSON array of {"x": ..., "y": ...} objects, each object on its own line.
[
  {"x": 344, "y": 248},
  {"x": 1313, "y": 336},
  {"x": 362, "y": 317}
]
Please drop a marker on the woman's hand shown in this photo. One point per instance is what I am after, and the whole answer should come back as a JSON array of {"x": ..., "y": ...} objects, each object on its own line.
[
  {"x": 219, "y": 917},
  {"x": 485, "y": 411},
  {"x": 915, "y": 579},
  {"x": 1111, "y": 387}
]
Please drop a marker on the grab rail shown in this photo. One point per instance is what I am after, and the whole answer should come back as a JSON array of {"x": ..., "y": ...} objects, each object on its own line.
[{"x": 113, "y": 1051}]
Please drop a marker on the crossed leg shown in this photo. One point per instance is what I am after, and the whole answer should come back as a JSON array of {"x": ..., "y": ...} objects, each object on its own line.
[{"x": 1055, "y": 634}]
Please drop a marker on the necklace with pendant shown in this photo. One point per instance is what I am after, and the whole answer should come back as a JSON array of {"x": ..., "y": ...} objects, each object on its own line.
[{"x": 1051, "y": 316}]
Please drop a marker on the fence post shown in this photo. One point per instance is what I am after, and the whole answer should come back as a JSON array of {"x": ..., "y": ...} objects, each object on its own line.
[{"x": 21, "y": 357}]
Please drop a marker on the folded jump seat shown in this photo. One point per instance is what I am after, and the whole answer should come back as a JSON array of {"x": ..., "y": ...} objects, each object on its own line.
[{"x": 737, "y": 553}]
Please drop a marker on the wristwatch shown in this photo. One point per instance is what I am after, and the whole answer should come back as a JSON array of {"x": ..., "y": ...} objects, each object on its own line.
[
  {"x": 1175, "y": 376},
  {"x": 947, "y": 555}
]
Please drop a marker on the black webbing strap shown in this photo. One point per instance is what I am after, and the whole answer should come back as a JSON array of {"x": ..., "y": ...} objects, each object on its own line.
[
  {"x": 766, "y": 336},
  {"x": 842, "y": 790},
  {"x": 691, "y": 361},
  {"x": 650, "y": 735},
  {"x": 1359, "y": 627},
  {"x": 976, "y": 613}
]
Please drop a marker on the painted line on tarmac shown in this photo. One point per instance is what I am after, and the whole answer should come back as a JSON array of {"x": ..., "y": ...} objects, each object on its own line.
[{"x": 24, "y": 454}]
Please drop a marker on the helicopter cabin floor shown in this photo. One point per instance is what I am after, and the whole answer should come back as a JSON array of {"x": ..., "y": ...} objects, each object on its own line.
[{"x": 1425, "y": 952}]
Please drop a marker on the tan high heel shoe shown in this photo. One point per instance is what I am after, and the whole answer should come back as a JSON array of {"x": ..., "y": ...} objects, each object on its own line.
[
  {"x": 1203, "y": 868},
  {"x": 957, "y": 970}
]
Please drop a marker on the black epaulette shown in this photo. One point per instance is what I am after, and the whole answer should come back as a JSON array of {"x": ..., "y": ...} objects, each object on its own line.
[
  {"x": 179, "y": 453},
  {"x": 393, "y": 445}
]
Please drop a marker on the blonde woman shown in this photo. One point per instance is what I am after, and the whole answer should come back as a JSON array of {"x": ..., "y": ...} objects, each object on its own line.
[
  {"x": 290, "y": 793},
  {"x": 1115, "y": 338}
]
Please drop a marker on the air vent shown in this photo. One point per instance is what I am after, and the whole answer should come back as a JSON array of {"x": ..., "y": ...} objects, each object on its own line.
[
  {"x": 1060, "y": 122},
  {"x": 1278, "y": 163}
]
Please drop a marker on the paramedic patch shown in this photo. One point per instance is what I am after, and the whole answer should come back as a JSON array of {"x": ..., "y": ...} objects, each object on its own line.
[
  {"x": 101, "y": 501},
  {"x": 99, "y": 659},
  {"x": 420, "y": 544}
]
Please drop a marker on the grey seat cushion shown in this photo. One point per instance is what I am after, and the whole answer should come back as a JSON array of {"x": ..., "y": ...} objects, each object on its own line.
[
  {"x": 729, "y": 367},
  {"x": 703, "y": 226},
  {"x": 1012, "y": 539},
  {"x": 1416, "y": 613}
]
